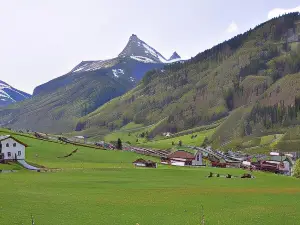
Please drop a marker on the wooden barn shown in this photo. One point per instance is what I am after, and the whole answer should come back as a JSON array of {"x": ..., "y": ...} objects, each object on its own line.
[{"x": 144, "y": 163}]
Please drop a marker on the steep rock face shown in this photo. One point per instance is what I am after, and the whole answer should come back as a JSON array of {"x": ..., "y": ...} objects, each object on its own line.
[
  {"x": 9, "y": 95},
  {"x": 140, "y": 51}
]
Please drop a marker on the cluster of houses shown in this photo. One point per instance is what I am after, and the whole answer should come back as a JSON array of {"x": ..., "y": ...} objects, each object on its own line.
[
  {"x": 11, "y": 149},
  {"x": 178, "y": 158},
  {"x": 277, "y": 163}
]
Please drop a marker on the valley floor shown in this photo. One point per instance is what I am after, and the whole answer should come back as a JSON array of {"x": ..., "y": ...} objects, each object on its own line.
[{"x": 102, "y": 187}]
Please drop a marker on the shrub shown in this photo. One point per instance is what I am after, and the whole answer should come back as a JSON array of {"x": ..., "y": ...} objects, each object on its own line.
[
  {"x": 296, "y": 172},
  {"x": 180, "y": 143}
]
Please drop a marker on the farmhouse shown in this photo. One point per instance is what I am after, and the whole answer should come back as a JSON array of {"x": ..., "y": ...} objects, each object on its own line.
[
  {"x": 183, "y": 158},
  {"x": 145, "y": 163},
  {"x": 11, "y": 149}
]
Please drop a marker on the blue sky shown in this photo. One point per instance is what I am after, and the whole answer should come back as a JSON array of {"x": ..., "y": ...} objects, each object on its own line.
[{"x": 41, "y": 40}]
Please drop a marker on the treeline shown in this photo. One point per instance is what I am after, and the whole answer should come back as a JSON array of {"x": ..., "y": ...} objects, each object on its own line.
[{"x": 278, "y": 114}]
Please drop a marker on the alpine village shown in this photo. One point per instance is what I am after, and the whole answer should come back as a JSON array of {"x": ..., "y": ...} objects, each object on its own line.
[{"x": 143, "y": 139}]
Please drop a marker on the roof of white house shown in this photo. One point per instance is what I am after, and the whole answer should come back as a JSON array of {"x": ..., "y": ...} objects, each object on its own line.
[{"x": 5, "y": 137}]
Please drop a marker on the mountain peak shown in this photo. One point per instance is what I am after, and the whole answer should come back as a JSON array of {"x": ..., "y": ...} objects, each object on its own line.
[
  {"x": 133, "y": 37},
  {"x": 139, "y": 50},
  {"x": 174, "y": 56}
]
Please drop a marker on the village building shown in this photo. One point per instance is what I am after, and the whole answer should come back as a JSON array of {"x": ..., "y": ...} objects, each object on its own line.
[
  {"x": 144, "y": 163},
  {"x": 80, "y": 139},
  {"x": 11, "y": 149},
  {"x": 183, "y": 158},
  {"x": 167, "y": 134},
  {"x": 284, "y": 161}
]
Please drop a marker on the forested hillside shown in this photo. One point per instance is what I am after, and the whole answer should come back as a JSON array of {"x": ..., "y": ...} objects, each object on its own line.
[{"x": 254, "y": 73}]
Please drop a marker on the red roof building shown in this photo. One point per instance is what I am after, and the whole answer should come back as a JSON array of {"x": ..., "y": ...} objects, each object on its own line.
[{"x": 183, "y": 158}]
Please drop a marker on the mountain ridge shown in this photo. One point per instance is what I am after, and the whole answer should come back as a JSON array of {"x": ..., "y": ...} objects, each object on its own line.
[{"x": 10, "y": 95}]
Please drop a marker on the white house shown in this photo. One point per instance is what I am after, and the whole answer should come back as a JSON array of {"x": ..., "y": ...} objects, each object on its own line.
[{"x": 11, "y": 148}]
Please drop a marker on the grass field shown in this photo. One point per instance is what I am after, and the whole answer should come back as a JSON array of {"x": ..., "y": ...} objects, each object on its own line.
[
  {"x": 102, "y": 187},
  {"x": 186, "y": 140}
]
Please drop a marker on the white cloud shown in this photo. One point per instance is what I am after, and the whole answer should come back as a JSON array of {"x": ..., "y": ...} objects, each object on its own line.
[
  {"x": 232, "y": 28},
  {"x": 278, "y": 11}
]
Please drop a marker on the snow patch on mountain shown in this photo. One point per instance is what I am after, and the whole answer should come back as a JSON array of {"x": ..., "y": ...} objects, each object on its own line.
[
  {"x": 9, "y": 94},
  {"x": 118, "y": 72},
  {"x": 142, "y": 59}
]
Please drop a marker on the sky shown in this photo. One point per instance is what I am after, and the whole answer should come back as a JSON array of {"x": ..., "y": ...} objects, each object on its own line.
[{"x": 42, "y": 40}]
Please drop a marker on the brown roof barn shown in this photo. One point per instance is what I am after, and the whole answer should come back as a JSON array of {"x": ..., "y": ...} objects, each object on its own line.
[
  {"x": 181, "y": 154},
  {"x": 183, "y": 158}
]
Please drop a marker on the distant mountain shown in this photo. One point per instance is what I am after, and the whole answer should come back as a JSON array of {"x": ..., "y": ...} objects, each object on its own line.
[
  {"x": 57, "y": 104},
  {"x": 129, "y": 66},
  {"x": 175, "y": 57},
  {"x": 9, "y": 95}
]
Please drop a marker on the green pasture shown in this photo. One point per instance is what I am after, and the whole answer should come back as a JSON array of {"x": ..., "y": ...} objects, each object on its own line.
[
  {"x": 186, "y": 140},
  {"x": 102, "y": 187}
]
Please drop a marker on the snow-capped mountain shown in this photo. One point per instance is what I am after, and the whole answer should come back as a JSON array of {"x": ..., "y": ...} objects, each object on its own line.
[
  {"x": 140, "y": 51},
  {"x": 9, "y": 95},
  {"x": 129, "y": 67},
  {"x": 136, "y": 50}
]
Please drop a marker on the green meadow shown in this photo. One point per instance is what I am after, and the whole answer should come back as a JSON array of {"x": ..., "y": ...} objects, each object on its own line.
[{"x": 102, "y": 187}]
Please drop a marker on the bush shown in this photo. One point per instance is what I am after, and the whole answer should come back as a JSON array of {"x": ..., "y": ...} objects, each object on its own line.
[
  {"x": 180, "y": 143},
  {"x": 296, "y": 172}
]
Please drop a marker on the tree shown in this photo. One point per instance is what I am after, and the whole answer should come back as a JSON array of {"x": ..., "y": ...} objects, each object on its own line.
[
  {"x": 205, "y": 142},
  {"x": 180, "y": 143},
  {"x": 296, "y": 172},
  {"x": 119, "y": 144}
]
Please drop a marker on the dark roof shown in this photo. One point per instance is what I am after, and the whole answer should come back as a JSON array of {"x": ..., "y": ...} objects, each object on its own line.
[
  {"x": 140, "y": 160},
  {"x": 2, "y": 138},
  {"x": 181, "y": 154}
]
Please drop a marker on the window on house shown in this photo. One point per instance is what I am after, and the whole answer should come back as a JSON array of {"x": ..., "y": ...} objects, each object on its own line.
[
  {"x": 8, "y": 154},
  {"x": 19, "y": 153},
  {"x": 7, "y": 145},
  {"x": 15, "y": 144}
]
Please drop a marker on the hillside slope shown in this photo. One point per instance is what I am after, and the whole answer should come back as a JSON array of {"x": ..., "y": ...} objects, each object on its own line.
[{"x": 236, "y": 73}]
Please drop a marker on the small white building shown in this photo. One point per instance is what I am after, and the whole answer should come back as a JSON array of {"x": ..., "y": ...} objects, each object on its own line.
[{"x": 11, "y": 149}]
